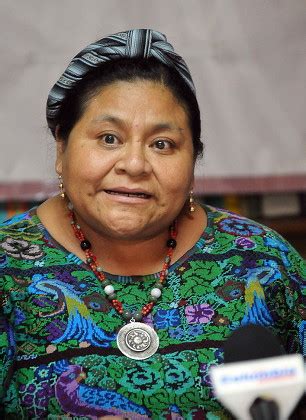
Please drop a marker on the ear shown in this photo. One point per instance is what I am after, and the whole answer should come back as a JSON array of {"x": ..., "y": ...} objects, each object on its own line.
[
  {"x": 192, "y": 183},
  {"x": 60, "y": 149}
]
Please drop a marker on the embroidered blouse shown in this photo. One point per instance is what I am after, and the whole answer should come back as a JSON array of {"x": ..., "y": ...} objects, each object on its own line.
[{"x": 58, "y": 353}]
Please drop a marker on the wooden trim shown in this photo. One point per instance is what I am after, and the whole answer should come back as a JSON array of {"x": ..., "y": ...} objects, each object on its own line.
[
  {"x": 27, "y": 191},
  {"x": 39, "y": 190},
  {"x": 286, "y": 226},
  {"x": 250, "y": 185}
]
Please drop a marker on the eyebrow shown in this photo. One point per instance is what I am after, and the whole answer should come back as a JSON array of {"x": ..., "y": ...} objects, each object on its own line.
[
  {"x": 167, "y": 126},
  {"x": 106, "y": 117},
  {"x": 156, "y": 127}
]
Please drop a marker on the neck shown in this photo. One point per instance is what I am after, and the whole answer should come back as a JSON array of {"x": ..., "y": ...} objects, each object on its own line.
[
  {"x": 134, "y": 256},
  {"x": 130, "y": 257},
  {"x": 120, "y": 257}
]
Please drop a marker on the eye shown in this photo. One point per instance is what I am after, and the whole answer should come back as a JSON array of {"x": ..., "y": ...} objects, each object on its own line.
[
  {"x": 162, "y": 144},
  {"x": 109, "y": 139}
]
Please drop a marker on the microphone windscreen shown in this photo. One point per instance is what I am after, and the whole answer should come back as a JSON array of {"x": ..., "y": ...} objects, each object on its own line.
[{"x": 251, "y": 342}]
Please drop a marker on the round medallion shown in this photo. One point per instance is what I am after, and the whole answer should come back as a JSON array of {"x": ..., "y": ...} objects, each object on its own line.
[{"x": 137, "y": 340}]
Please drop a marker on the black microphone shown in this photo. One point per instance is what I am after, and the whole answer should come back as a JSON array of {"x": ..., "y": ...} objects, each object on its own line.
[
  {"x": 251, "y": 342},
  {"x": 258, "y": 380}
]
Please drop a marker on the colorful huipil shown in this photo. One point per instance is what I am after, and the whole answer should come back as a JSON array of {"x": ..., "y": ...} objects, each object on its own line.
[{"x": 58, "y": 350}]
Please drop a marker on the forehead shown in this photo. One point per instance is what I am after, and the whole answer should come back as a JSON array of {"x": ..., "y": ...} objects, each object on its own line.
[{"x": 153, "y": 99}]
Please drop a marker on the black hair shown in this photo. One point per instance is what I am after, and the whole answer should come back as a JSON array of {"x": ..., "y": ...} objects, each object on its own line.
[{"x": 129, "y": 69}]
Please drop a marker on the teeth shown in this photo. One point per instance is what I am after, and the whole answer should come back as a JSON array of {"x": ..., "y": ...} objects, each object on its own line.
[{"x": 128, "y": 194}]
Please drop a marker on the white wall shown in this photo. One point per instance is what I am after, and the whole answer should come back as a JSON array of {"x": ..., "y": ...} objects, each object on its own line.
[{"x": 247, "y": 58}]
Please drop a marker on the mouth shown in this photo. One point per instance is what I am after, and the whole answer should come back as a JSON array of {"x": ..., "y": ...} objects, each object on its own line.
[{"x": 135, "y": 194}]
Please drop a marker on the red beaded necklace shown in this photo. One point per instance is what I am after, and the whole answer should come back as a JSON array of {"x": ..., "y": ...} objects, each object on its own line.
[{"x": 91, "y": 260}]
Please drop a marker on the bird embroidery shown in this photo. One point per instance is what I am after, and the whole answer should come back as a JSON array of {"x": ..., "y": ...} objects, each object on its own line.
[
  {"x": 80, "y": 325},
  {"x": 257, "y": 310},
  {"x": 79, "y": 399}
]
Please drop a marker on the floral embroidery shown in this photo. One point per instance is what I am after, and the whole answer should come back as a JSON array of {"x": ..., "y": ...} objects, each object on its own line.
[
  {"x": 245, "y": 243},
  {"x": 220, "y": 320},
  {"x": 240, "y": 227},
  {"x": 195, "y": 330},
  {"x": 68, "y": 363},
  {"x": 167, "y": 318},
  {"x": 43, "y": 372},
  {"x": 21, "y": 249},
  {"x": 177, "y": 333},
  {"x": 201, "y": 313}
]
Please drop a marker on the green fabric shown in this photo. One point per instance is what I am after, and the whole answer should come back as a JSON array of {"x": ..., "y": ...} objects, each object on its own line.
[{"x": 58, "y": 350}]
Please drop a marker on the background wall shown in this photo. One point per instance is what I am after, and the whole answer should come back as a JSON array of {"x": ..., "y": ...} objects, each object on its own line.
[{"x": 247, "y": 58}]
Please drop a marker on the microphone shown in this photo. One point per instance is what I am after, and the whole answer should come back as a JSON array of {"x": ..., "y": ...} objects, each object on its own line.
[{"x": 258, "y": 380}]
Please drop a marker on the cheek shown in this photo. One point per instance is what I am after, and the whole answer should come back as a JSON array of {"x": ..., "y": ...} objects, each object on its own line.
[
  {"x": 178, "y": 180},
  {"x": 85, "y": 165}
]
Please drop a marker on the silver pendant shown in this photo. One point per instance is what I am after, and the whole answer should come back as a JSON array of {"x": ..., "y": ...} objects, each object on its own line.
[{"x": 137, "y": 340}]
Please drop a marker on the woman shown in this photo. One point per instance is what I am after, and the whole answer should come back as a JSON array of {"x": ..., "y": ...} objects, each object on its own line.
[{"x": 118, "y": 293}]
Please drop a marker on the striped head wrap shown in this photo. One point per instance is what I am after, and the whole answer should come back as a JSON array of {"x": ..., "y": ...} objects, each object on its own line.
[{"x": 143, "y": 43}]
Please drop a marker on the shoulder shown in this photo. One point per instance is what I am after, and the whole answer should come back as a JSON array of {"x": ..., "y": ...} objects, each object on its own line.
[
  {"x": 240, "y": 226},
  {"x": 19, "y": 223},
  {"x": 19, "y": 218},
  {"x": 18, "y": 233},
  {"x": 243, "y": 235}
]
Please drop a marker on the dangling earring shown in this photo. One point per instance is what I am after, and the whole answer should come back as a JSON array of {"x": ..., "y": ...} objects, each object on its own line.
[
  {"x": 61, "y": 186},
  {"x": 191, "y": 202}
]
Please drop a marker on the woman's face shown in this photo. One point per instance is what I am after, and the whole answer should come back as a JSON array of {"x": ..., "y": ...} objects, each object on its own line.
[{"x": 128, "y": 164}]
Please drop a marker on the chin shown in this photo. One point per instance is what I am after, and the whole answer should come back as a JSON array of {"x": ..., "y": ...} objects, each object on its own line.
[
  {"x": 136, "y": 229},
  {"x": 126, "y": 233},
  {"x": 124, "y": 226}
]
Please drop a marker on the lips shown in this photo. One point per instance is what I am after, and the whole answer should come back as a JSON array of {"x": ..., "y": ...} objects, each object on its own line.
[{"x": 129, "y": 193}]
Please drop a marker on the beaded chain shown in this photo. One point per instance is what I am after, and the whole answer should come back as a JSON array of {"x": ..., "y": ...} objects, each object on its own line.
[{"x": 109, "y": 290}]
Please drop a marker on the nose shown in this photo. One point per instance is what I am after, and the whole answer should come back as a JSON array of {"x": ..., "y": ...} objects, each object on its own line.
[{"x": 134, "y": 160}]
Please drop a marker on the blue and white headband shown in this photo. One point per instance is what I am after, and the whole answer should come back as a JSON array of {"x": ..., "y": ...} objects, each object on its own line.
[{"x": 143, "y": 43}]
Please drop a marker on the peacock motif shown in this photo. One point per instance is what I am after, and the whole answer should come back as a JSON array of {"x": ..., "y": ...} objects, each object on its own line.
[
  {"x": 257, "y": 311},
  {"x": 80, "y": 325},
  {"x": 79, "y": 399}
]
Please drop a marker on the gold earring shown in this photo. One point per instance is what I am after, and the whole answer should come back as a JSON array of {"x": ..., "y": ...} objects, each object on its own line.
[
  {"x": 191, "y": 202},
  {"x": 61, "y": 186}
]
